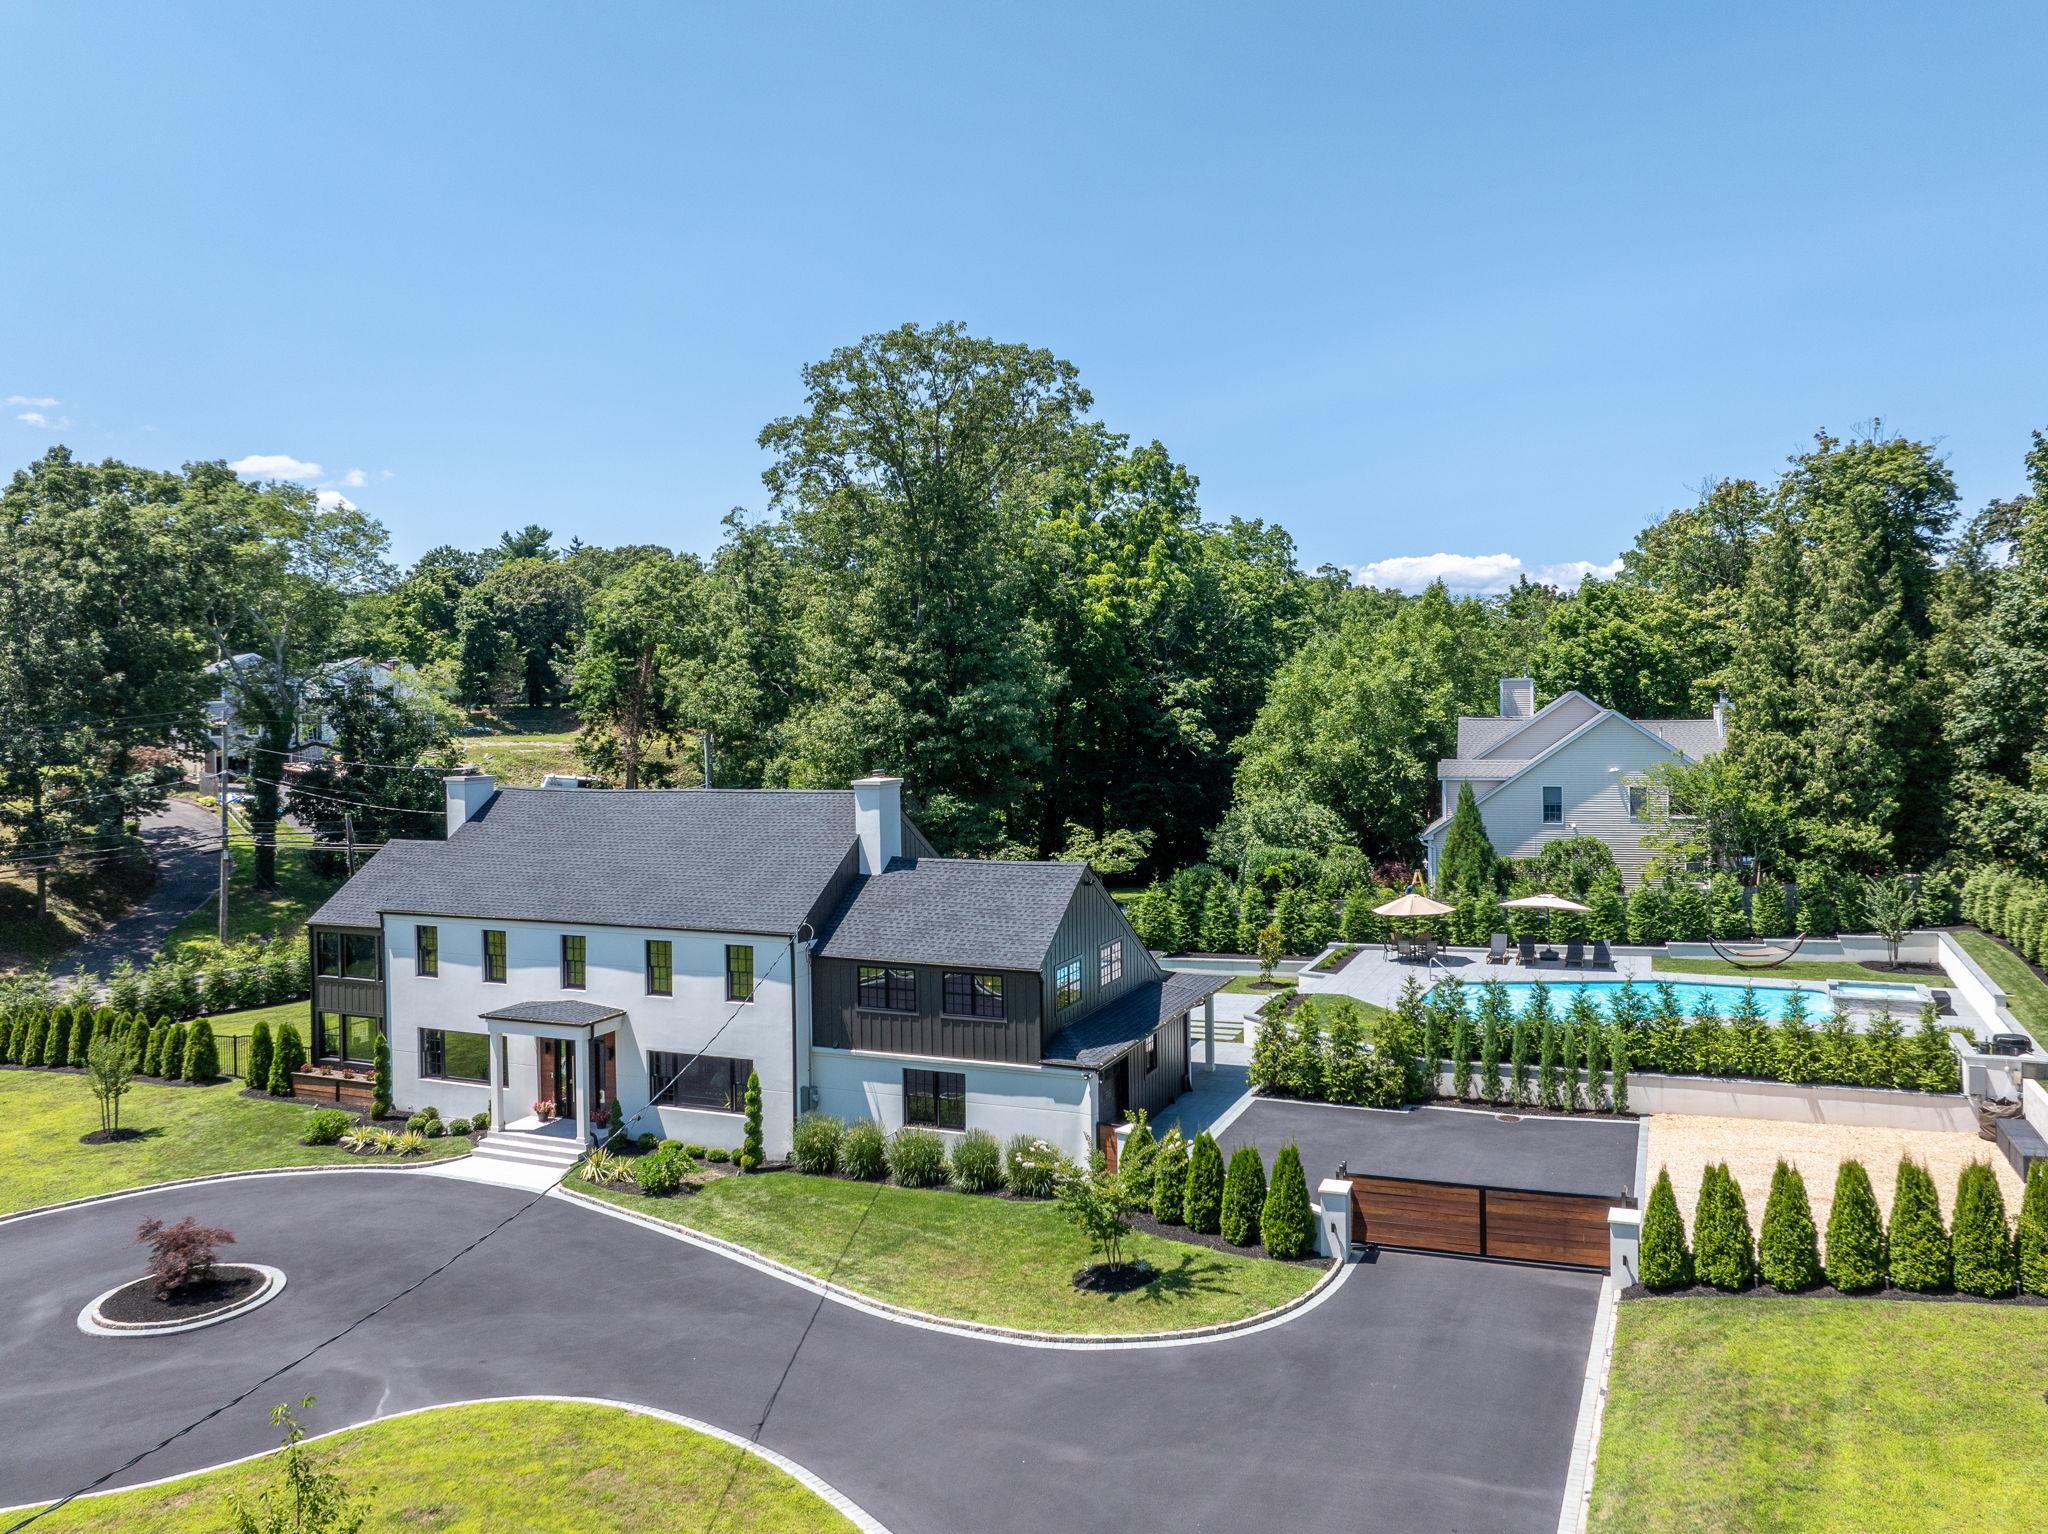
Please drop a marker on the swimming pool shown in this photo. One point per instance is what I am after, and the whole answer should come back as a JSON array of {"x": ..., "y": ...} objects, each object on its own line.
[{"x": 1693, "y": 995}]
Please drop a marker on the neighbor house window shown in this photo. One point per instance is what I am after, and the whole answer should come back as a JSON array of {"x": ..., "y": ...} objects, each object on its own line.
[
  {"x": 426, "y": 950},
  {"x": 572, "y": 962},
  {"x": 342, "y": 1036},
  {"x": 1553, "y": 806},
  {"x": 661, "y": 967},
  {"x": 717, "y": 1082},
  {"x": 455, "y": 1056},
  {"x": 881, "y": 989},
  {"x": 1066, "y": 985},
  {"x": 937, "y": 1098},
  {"x": 327, "y": 953},
  {"x": 359, "y": 955},
  {"x": 1109, "y": 966},
  {"x": 739, "y": 972},
  {"x": 1151, "y": 1053},
  {"x": 494, "y": 956},
  {"x": 966, "y": 995}
]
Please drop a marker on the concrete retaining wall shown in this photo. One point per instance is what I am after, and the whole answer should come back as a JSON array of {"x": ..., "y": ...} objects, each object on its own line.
[
  {"x": 2035, "y": 1100},
  {"x": 1720, "y": 1097}
]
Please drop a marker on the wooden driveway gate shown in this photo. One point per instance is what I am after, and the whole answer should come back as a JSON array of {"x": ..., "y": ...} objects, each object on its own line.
[{"x": 1474, "y": 1220}]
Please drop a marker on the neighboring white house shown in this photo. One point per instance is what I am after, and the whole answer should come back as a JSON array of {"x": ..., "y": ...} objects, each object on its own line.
[
  {"x": 388, "y": 676},
  {"x": 646, "y": 951},
  {"x": 1565, "y": 769}
]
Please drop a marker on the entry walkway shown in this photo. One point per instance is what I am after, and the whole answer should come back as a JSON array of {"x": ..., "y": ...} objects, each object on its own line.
[{"x": 524, "y": 1154}]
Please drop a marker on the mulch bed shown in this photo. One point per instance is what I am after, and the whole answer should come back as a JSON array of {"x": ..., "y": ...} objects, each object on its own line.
[
  {"x": 1824, "y": 1292},
  {"x": 1123, "y": 1278},
  {"x": 1338, "y": 962},
  {"x": 110, "y": 1136},
  {"x": 1215, "y": 1242},
  {"x": 137, "y": 1303}
]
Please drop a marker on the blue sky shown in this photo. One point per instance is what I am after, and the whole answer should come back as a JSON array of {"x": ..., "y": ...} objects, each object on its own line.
[{"x": 1415, "y": 281}]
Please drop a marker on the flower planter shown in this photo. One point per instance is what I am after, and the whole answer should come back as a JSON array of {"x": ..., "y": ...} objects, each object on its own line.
[{"x": 331, "y": 1087}]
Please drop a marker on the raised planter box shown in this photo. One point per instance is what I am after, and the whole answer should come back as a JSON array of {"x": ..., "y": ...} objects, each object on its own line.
[{"x": 325, "y": 1087}]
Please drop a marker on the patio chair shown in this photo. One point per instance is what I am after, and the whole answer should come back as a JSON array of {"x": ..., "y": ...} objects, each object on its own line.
[
  {"x": 1602, "y": 959},
  {"x": 1499, "y": 950},
  {"x": 1574, "y": 953},
  {"x": 1404, "y": 946},
  {"x": 1431, "y": 946},
  {"x": 1525, "y": 951}
]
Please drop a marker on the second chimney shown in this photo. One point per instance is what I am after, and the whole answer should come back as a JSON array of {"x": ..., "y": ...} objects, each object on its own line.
[
  {"x": 1517, "y": 697},
  {"x": 878, "y": 821}
]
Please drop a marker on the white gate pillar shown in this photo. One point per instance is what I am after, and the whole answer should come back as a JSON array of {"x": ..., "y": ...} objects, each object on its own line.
[{"x": 1333, "y": 1218}]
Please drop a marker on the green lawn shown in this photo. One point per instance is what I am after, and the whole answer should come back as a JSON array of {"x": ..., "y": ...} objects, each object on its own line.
[
  {"x": 1824, "y": 1416},
  {"x": 1004, "y": 1262},
  {"x": 254, "y": 913},
  {"x": 230, "y": 1026},
  {"x": 1792, "y": 969},
  {"x": 1251, "y": 985},
  {"x": 188, "y": 1132},
  {"x": 2024, "y": 991},
  {"x": 513, "y": 1465}
]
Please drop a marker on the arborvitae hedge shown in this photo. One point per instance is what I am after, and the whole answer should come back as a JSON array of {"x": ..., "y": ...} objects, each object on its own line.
[
  {"x": 1916, "y": 1243},
  {"x": 1664, "y": 1261},
  {"x": 1722, "y": 1252},
  {"x": 1855, "y": 1259},
  {"x": 2033, "y": 1232},
  {"x": 81, "y": 1034},
  {"x": 1789, "y": 1254},
  {"x": 171, "y": 1058},
  {"x": 1137, "y": 1161},
  {"x": 1202, "y": 1199},
  {"x": 153, "y": 1046},
  {"x": 202, "y": 1055},
  {"x": 288, "y": 1055},
  {"x": 1982, "y": 1245},
  {"x": 1287, "y": 1224},
  {"x": 258, "y": 1075},
  {"x": 1169, "y": 1178},
  {"x": 1244, "y": 1196}
]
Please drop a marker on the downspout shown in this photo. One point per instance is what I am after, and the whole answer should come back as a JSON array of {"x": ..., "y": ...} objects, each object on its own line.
[{"x": 796, "y": 1083}]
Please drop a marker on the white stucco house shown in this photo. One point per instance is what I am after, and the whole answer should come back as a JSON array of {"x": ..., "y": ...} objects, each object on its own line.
[
  {"x": 643, "y": 952},
  {"x": 1565, "y": 769}
]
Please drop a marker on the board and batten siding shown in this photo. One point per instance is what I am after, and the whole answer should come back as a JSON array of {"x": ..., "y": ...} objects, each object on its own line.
[
  {"x": 1093, "y": 919},
  {"x": 838, "y": 1021},
  {"x": 332, "y": 993}
]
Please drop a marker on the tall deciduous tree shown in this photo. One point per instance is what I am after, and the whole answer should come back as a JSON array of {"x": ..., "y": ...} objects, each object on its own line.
[{"x": 640, "y": 625}]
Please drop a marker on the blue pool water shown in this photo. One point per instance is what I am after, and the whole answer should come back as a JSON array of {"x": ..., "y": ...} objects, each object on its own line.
[{"x": 1691, "y": 994}]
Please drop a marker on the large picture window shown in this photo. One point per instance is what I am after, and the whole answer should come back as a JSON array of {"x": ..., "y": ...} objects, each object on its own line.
[
  {"x": 455, "y": 1056},
  {"x": 1066, "y": 985},
  {"x": 882, "y": 989},
  {"x": 937, "y": 1098},
  {"x": 341, "y": 1036},
  {"x": 494, "y": 956},
  {"x": 359, "y": 955},
  {"x": 426, "y": 950},
  {"x": 661, "y": 967},
  {"x": 739, "y": 972},
  {"x": 717, "y": 1082},
  {"x": 573, "y": 949},
  {"x": 969, "y": 995}
]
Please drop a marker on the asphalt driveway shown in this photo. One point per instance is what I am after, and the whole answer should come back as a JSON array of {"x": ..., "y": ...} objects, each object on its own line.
[
  {"x": 1423, "y": 1394},
  {"x": 1543, "y": 1155}
]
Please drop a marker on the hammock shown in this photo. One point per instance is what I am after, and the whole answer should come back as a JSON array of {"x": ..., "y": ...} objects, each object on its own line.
[{"x": 1757, "y": 958}]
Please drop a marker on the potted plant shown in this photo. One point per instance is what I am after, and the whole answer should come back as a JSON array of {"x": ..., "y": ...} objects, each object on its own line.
[{"x": 544, "y": 1110}]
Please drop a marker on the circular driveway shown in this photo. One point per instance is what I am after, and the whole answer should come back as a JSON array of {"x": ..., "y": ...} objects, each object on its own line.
[{"x": 1426, "y": 1392}]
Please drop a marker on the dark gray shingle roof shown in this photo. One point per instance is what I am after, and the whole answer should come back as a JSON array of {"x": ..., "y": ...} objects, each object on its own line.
[
  {"x": 707, "y": 860},
  {"x": 1101, "y": 1036},
  {"x": 560, "y": 1009},
  {"x": 954, "y": 911}
]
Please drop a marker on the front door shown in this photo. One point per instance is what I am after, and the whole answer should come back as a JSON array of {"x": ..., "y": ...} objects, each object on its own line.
[{"x": 557, "y": 1073}]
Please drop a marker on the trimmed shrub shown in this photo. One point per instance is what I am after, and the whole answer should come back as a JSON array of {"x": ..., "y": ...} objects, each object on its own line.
[
  {"x": 423, "y": 1118},
  {"x": 2033, "y": 1232},
  {"x": 664, "y": 1172},
  {"x": 1855, "y": 1257},
  {"x": 458, "y": 1126},
  {"x": 480, "y": 1121},
  {"x": 1031, "y": 1168},
  {"x": 1664, "y": 1261},
  {"x": 202, "y": 1054},
  {"x": 1722, "y": 1252},
  {"x": 83, "y": 1027},
  {"x": 327, "y": 1127},
  {"x": 433, "y": 1129},
  {"x": 976, "y": 1161},
  {"x": 32, "y": 1048},
  {"x": 1202, "y": 1197},
  {"x": 380, "y": 1090},
  {"x": 57, "y": 1040},
  {"x": 1915, "y": 1240},
  {"x": 259, "y": 1055},
  {"x": 751, "y": 1155},
  {"x": 1789, "y": 1255},
  {"x": 719, "y": 1153},
  {"x": 1169, "y": 1177},
  {"x": 1244, "y": 1196},
  {"x": 1287, "y": 1222},
  {"x": 917, "y": 1157},
  {"x": 694, "y": 1149},
  {"x": 288, "y": 1055},
  {"x": 170, "y": 1058},
  {"x": 647, "y": 1141},
  {"x": 864, "y": 1150},
  {"x": 1982, "y": 1245},
  {"x": 814, "y": 1143},
  {"x": 1134, "y": 1162}
]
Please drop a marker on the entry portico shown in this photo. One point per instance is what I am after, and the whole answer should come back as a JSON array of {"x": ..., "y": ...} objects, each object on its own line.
[{"x": 576, "y": 1043}]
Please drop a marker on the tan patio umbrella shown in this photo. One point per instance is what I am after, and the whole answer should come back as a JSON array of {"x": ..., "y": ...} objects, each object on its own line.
[
  {"x": 1546, "y": 903},
  {"x": 1411, "y": 905}
]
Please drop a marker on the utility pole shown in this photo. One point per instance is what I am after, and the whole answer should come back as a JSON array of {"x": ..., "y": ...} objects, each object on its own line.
[
  {"x": 348, "y": 825},
  {"x": 220, "y": 786},
  {"x": 705, "y": 735}
]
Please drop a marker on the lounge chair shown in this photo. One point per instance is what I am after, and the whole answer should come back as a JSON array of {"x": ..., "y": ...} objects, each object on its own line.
[
  {"x": 1602, "y": 959},
  {"x": 1575, "y": 953},
  {"x": 1525, "y": 951},
  {"x": 1499, "y": 950}
]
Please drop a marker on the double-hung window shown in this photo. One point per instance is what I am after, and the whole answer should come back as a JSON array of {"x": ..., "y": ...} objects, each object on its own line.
[
  {"x": 1151, "y": 1053},
  {"x": 573, "y": 951},
  {"x": 1109, "y": 966},
  {"x": 426, "y": 950},
  {"x": 739, "y": 972},
  {"x": 717, "y": 1082},
  {"x": 937, "y": 1098},
  {"x": 661, "y": 967},
  {"x": 881, "y": 989},
  {"x": 494, "y": 956},
  {"x": 1066, "y": 985},
  {"x": 962, "y": 994},
  {"x": 1553, "y": 806}
]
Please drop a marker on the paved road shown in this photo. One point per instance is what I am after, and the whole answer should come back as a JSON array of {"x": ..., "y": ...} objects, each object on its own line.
[
  {"x": 180, "y": 838},
  {"x": 1427, "y": 1393}
]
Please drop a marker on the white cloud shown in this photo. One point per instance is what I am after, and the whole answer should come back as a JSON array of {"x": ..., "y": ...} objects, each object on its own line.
[
  {"x": 1474, "y": 574},
  {"x": 355, "y": 479},
  {"x": 47, "y": 422},
  {"x": 276, "y": 466},
  {"x": 333, "y": 500},
  {"x": 34, "y": 401}
]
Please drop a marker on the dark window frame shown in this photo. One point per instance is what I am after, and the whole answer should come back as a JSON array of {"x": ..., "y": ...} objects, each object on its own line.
[
  {"x": 1066, "y": 985},
  {"x": 1109, "y": 962},
  {"x": 895, "y": 985},
  {"x": 1151, "y": 1052},
  {"x": 434, "y": 1055},
  {"x": 665, "y": 1066},
  {"x": 734, "y": 974},
  {"x": 575, "y": 961},
  {"x": 661, "y": 977},
  {"x": 426, "y": 950},
  {"x": 499, "y": 960},
  {"x": 975, "y": 994},
  {"x": 360, "y": 956},
  {"x": 340, "y": 1050},
  {"x": 327, "y": 954},
  {"x": 935, "y": 1099},
  {"x": 1553, "y": 810}
]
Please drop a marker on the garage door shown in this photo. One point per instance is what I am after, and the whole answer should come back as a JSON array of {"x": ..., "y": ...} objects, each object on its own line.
[{"x": 1477, "y": 1221}]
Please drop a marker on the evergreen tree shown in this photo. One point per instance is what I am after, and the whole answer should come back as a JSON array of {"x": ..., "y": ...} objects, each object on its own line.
[
  {"x": 1519, "y": 1085},
  {"x": 1287, "y": 1221},
  {"x": 57, "y": 1039},
  {"x": 1723, "y": 1253},
  {"x": 1689, "y": 917},
  {"x": 1202, "y": 1198},
  {"x": 202, "y": 1054},
  {"x": 1915, "y": 1240},
  {"x": 1789, "y": 1255},
  {"x": 1665, "y": 1260},
  {"x": 259, "y": 1055},
  {"x": 1855, "y": 1256},
  {"x": 1244, "y": 1196},
  {"x": 2033, "y": 1232},
  {"x": 1770, "y": 915},
  {"x": 1219, "y": 919},
  {"x": 1268, "y": 1070},
  {"x": 1495, "y": 1019},
  {"x": 1138, "y": 1161},
  {"x": 1609, "y": 917},
  {"x": 288, "y": 1056},
  {"x": 751, "y": 1152},
  {"x": 1549, "y": 1082},
  {"x": 1468, "y": 864},
  {"x": 1726, "y": 915},
  {"x": 1982, "y": 1245},
  {"x": 1345, "y": 1070},
  {"x": 82, "y": 1025},
  {"x": 380, "y": 1092},
  {"x": 1251, "y": 915},
  {"x": 1464, "y": 1084},
  {"x": 1169, "y": 1178}
]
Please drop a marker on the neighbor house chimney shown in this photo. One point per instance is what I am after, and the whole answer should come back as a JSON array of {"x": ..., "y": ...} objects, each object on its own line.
[
  {"x": 1517, "y": 697},
  {"x": 1721, "y": 713},
  {"x": 878, "y": 821},
  {"x": 468, "y": 793}
]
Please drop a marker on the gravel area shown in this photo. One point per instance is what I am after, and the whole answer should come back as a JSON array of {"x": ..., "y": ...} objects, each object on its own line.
[{"x": 1685, "y": 1143}]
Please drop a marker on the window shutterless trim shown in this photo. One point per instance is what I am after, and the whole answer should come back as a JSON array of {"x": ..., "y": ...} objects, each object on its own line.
[
  {"x": 426, "y": 950},
  {"x": 739, "y": 975},
  {"x": 896, "y": 987},
  {"x": 1066, "y": 985},
  {"x": 575, "y": 965},
  {"x": 661, "y": 971},
  {"x": 974, "y": 994},
  {"x": 936, "y": 1099},
  {"x": 497, "y": 964}
]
